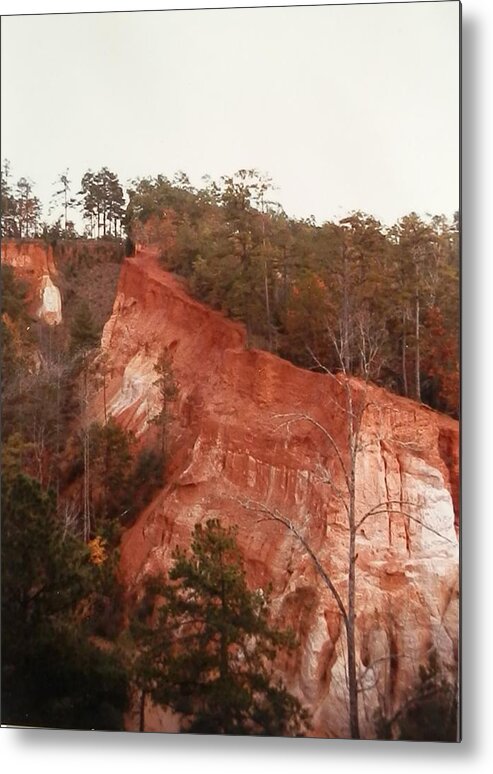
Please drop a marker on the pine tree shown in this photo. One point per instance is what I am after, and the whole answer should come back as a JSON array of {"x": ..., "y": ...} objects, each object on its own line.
[
  {"x": 111, "y": 471},
  {"x": 61, "y": 198},
  {"x": 8, "y": 208},
  {"x": 83, "y": 333},
  {"x": 102, "y": 202},
  {"x": 209, "y": 656},
  {"x": 168, "y": 392},
  {"x": 312, "y": 292},
  {"x": 429, "y": 713},
  {"x": 52, "y": 674},
  {"x": 28, "y": 208}
]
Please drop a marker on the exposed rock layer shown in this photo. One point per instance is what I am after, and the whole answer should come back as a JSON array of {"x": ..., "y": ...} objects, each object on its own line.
[
  {"x": 231, "y": 443},
  {"x": 33, "y": 262}
]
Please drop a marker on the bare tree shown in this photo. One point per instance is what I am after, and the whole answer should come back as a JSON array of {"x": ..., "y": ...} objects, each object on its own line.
[
  {"x": 69, "y": 515},
  {"x": 354, "y": 405},
  {"x": 61, "y": 197}
]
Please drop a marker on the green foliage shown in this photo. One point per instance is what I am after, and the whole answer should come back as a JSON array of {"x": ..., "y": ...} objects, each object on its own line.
[
  {"x": 62, "y": 199},
  {"x": 122, "y": 482},
  {"x": 20, "y": 209},
  {"x": 88, "y": 277},
  {"x": 17, "y": 337},
  {"x": 129, "y": 246},
  {"x": 83, "y": 332},
  {"x": 28, "y": 208},
  {"x": 150, "y": 197},
  {"x": 110, "y": 448},
  {"x": 13, "y": 453},
  {"x": 52, "y": 675},
  {"x": 13, "y": 294},
  {"x": 430, "y": 714},
  {"x": 168, "y": 392},
  {"x": 389, "y": 302},
  {"x": 67, "y": 682},
  {"x": 209, "y": 653},
  {"x": 11, "y": 366},
  {"x": 102, "y": 202},
  {"x": 304, "y": 319},
  {"x": 147, "y": 478},
  {"x": 8, "y": 208},
  {"x": 17, "y": 345},
  {"x": 111, "y": 462},
  {"x": 336, "y": 295}
]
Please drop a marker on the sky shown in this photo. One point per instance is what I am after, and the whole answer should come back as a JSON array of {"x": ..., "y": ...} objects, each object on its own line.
[{"x": 350, "y": 107}]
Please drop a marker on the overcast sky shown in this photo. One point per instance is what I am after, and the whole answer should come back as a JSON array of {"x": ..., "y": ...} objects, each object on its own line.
[{"x": 346, "y": 107}]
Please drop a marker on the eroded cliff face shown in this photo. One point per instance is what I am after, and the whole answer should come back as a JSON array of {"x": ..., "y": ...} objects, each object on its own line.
[
  {"x": 238, "y": 439},
  {"x": 33, "y": 262}
]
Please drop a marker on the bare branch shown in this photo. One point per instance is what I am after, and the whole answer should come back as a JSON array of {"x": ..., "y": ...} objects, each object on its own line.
[
  {"x": 371, "y": 668},
  {"x": 274, "y": 515},
  {"x": 325, "y": 478},
  {"x": 415, "y": 519},
  {"x": 382, "y": 505},
  {"x": 320, "y": 364},
  {"x": 290, "y": 418}
]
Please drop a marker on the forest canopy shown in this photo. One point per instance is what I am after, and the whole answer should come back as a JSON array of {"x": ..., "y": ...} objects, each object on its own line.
[{"x": 382, "y": 300}]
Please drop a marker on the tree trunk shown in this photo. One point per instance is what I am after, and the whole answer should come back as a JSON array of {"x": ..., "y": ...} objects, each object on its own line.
[
  {"x": 404, "y": 353},
  {"x": 351, "y": 617},
  {"x": 346, "y": 359},
  {"x": 284, "y": 278},
  {"x": 223, "y": 666},
  {"x": 86, "y": 496},
  {"x": 142, "y": 710},
  {"x": 58, "y": 429},
  {"x": 267, "y": 305},
  {"x": 246, "y": 270},
  {"x": 418, "y": 361},
  {"x": 104, "y": 397}
]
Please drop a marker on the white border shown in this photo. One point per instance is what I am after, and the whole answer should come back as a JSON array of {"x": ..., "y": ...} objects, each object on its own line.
[{"x": 49, "y": 751}]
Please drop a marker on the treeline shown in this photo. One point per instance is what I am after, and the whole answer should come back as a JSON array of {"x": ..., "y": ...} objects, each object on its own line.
[
  {"x": 377, "y": 301},
  {"x": 352, "y": 295},
  {"x": 100, "y": 201},
  {"x": 20, "y": 208}
]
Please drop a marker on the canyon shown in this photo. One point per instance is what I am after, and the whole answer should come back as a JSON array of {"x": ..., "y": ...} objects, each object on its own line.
[{"x": 249, "y": 434}]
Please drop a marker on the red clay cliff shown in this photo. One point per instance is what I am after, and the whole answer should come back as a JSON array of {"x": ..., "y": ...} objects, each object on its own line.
[
  {"x": 231, "y": 445},
  {"x": 33, "y": 262}
]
